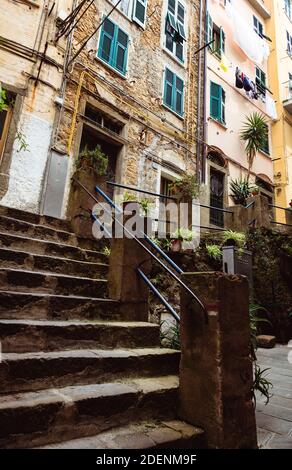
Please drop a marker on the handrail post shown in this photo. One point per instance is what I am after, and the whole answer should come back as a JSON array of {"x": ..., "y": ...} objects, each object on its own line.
[
  {"x": 124, "y": 282},
  {"x": 216, "y": 370}
]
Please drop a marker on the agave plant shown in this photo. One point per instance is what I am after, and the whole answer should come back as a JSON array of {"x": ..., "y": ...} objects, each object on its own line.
[
  {"x": 255, "y": 134},
  {"x": 240, "y": 190}
]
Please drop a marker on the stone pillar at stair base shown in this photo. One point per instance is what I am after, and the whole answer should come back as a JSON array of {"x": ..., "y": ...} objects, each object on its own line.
[
  {"x": 215, "y": 370},
  {"x": 124, "y": 283}
]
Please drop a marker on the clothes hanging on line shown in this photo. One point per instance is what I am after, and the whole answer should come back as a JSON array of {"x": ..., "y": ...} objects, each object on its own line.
[{"x": 271, "y": 107}]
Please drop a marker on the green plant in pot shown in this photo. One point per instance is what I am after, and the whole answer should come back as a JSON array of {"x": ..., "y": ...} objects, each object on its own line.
[
  {"x": 93, "y": 159},
  {"x": 186, "y": 187},
  {"x": 214, "y": 252},
  {"x": 145, "y": 205},
  {"x": 232, "y": 238},
  {"x": 241, "y": 189},
  {"x": 179, "y": 236}
]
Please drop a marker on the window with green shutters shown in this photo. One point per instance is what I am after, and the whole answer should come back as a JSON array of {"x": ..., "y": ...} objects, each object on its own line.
[
  {"x": 261, "y": 81},
  {"x": 217, "y": 102},
  {"x": 173, "y": 96},
  {"x": 113, "y": 46},
  {"x": 175, "y": 29},
  {"x": 216, "y": 34},
  {"x": 266, "y": 147},
  {"x": 139, "y": 12}
]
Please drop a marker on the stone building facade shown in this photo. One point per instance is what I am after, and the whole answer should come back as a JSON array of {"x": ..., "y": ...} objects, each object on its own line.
[
  {"x": 31, "y": 76},
  {"x": 133, "y": 90}
]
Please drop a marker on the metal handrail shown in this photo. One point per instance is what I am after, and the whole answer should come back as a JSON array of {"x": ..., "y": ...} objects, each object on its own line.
[
  {"x": 132, "y": 188},
  {"x": 280, "y": 223},
  {"x": 138, "y": 241},
  {"x": 159, "y": 295},
  {"x": 250, "y": 204},
  {"x": 279, "y": 207},
  {"x": 151, "y": 243}
]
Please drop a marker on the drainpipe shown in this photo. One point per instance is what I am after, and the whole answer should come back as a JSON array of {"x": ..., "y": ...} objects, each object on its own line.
[
  {"x": 205, "y": 128},
  {"x": 200, "y": 145}
]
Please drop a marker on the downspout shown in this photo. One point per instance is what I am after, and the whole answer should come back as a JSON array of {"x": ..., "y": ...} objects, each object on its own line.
[
  {"x": 199, "y": 168},
  {"x": 205, "y": 129}
]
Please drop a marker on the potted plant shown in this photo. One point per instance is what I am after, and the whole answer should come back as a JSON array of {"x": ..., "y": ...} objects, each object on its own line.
[
  {"x": 94, "y": 159},
  {"x": 178, "y": 237},
  {"x": 186, "y": 187},
  {"x": 255, "y": 190},
  {"x": 240, "y": 191}
]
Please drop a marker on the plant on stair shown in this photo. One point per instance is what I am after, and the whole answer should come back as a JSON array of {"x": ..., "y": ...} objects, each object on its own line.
[
  {"x": 94, "y": 159},
  {"x": 214, "y": 252},
  {"x": 241, "y": 190},
  {"x": 260, "y": 382},
  {"x": 230, "y": 237}
]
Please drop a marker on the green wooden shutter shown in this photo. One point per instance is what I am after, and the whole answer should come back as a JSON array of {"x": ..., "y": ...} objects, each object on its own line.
[
  {"x": 139, "y": 12},
  {"x": 209, "y": 29},
  {"x": 121, "y": 51},
  {"x": 168, "y": 98},
  {"x": 215, "y": 101},
  {"x": 222, "y": 41},
  {"x": 179, "y": 96},
  {"x": 106, "y": 43}
]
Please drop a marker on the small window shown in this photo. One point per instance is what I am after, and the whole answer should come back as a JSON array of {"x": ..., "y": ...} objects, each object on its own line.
[
  {"x": 261, "y": 81},
  {"x": 217, "y": 103},
  {"x": 175, "y": 32},
  {"x": 217, "y": 35},
  {"x": 113, "y": 46},
  {"x": 288, "y": 8},
  {"x": 173, "y": 96},
  {"x": 258, "y": 27},
  {"x": 266, "y": 147},
  {"x": 139, "y": 12},
  {"x": 289, "y": 44}
]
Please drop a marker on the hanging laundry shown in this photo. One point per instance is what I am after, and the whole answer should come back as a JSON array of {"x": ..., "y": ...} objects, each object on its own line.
[
  {"x": 271, "y": 107},
  {"x": 247, "y": 84},
  {"x": 255, "y": 47},
  {"x": 238, "y": 78},
  {"x": 225, "y": 63}
]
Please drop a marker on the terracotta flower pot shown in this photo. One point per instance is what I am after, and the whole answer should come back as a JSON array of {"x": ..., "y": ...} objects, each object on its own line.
[{"x": 176, "y": 245}]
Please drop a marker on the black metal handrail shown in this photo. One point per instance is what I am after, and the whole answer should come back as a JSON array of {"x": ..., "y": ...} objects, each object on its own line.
[
  {"x": 132, "y": 188},
  {"x": 280, "y": 223},
  {"x": 142, "y": 245},
  {"x": 280, "y": 207}
]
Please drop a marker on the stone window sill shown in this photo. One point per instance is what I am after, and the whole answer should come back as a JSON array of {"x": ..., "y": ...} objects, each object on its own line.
[{"x": 220, "y": 123}]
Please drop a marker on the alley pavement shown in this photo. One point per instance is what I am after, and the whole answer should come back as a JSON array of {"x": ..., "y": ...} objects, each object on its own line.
[{"x": 274, "y": 420}]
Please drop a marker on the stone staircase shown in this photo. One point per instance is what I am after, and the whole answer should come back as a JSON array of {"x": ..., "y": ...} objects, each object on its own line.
[{"x": 73, "y": 373}]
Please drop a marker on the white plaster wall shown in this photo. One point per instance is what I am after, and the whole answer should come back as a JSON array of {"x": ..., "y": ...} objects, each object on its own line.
[{"x": 28, "y": 167}]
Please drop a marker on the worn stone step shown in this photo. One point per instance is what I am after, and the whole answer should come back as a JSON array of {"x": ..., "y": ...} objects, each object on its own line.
[
  {"x": 23, "y": 280},
  {"x": 151, "y": 434},
  {"x": 36, "y": 218},
  {"x": 35, "y": 371},
  {"x": 32, "y": 335},
  {"x": 18, "y": 259},
  {"x": 41, "y": 306},
  {"x": 11, "y": 225},
  {"x": 55, "y": 415},
  {"x": 50, "y": 248}
]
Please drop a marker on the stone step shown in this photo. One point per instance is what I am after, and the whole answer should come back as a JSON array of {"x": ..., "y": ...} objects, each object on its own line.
[
  {"x": 36, "y": 371},
  {"x": 36, "y": 218},
  {"x": 22, "y": 259},
  {"x": 50, "y": 248},
  {"x": 39, "y": 306},
  {"x": 43, "y": 232},
  {"x": 20, "y": 336},
  {"x": 151, "y": 434},
  {"x": 32, "y": 281},
  {"x": 56, "y": 415}
]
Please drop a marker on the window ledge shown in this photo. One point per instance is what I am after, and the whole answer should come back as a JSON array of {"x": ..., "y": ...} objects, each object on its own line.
[
  {"x": 111, "y": 68},
  {"x": 170, "y": 54},
  {"x": 266, "y": 154},
  {"x": 221, "y": 123},
  {"x": 179, "y": 116},
  {"x": 31, "y": 3}
]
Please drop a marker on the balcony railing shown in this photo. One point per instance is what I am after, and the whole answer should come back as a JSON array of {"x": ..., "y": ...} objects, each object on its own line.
[{"x": 287, "y": 96}]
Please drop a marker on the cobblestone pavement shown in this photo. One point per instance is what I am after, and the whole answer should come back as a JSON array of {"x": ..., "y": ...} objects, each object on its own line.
[{"x": 274, "y": 420}]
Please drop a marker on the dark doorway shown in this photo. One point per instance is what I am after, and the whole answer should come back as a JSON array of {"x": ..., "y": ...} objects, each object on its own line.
[{"x": 216, "y": 197}]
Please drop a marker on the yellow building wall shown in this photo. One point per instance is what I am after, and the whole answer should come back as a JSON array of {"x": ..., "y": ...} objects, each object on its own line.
[{"x": 280, "y": 65}]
